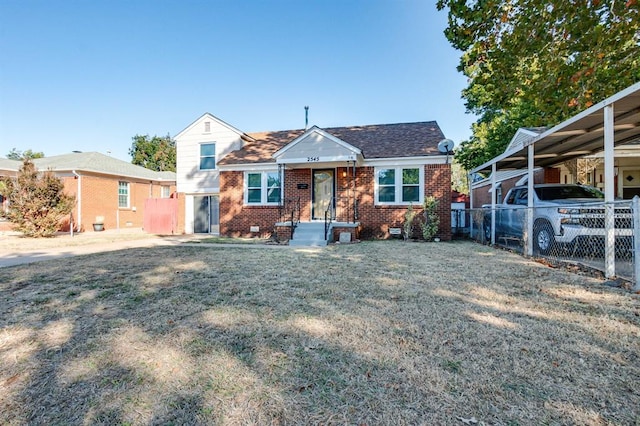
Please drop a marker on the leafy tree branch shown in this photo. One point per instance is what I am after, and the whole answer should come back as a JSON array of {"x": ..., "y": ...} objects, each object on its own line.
[
  {"x": 154, "y": 153},
  {"x": 535, "y": 63}
]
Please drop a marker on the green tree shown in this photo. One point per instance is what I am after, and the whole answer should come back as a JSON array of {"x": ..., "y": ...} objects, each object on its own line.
[
  {"x": 157, "y": 153},
  {"x": 15, "y": 154},
  {"x": 534, "y": 63},
  {"x": 459, "y": 178},
  {"x": 37, "y": 201}
]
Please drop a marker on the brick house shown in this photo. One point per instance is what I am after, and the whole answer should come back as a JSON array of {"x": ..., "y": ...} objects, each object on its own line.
[
  {"x": 104, "y": 186},
  {"x": 7, "y": 169},
  {"x": 352, "y": 180}
]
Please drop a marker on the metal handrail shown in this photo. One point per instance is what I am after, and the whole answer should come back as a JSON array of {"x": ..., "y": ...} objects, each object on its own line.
[
  {"x": 328, "y": 216},
  {"x": 349, "y": 211},
  {"x": 289, "y": 209}
]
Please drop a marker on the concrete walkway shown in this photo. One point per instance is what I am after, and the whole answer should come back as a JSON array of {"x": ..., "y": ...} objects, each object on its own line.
[{"x": 12, "y": 257}]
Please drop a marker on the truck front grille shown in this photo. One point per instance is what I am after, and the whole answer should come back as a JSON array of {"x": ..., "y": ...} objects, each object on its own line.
[{"x": 595, "y": 218}]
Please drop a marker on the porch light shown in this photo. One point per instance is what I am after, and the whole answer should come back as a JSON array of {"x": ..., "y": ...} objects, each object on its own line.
[{"x": 344, "y": 173}]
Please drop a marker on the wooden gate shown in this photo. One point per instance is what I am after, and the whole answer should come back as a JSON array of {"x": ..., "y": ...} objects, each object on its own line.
[{"x": 161, "y": 216}]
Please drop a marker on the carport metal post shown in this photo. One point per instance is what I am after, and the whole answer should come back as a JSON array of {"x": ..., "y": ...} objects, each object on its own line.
[
  {"x": 635, "y": 208},
  {"x": 528, "y": 236},
  {"x": 493, "y": 204},
  {"x": 609, "y": 225}
]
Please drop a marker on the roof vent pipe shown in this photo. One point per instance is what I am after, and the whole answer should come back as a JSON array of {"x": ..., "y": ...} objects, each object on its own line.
[{"x": 306, "y": 117}]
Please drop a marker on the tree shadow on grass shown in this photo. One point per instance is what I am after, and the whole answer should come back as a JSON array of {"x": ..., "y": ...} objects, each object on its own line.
[{"x": 191, "y": 335}]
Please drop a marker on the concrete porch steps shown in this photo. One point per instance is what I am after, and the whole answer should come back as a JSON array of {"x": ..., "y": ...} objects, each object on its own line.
[{"x": 309, "y": 234}]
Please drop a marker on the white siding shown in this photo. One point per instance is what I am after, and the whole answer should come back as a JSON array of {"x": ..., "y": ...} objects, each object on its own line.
[
  {"x": 316, "y": 145},
  {"x": 188, "y": 214},
  {"x": 189, "y": 178}
]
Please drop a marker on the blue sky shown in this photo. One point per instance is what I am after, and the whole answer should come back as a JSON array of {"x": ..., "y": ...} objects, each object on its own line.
[{"x": 89, "y": 75}]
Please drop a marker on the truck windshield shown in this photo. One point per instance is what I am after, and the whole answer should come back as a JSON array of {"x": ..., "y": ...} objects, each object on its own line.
[{"x": 567, "y": 192}]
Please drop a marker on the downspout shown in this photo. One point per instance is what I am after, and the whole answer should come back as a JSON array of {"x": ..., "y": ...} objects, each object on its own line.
[{"x": 79, "y": 200}]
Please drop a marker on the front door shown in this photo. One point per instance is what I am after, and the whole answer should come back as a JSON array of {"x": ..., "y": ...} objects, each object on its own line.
[
  {"x": 322, "y": 193},
  {"x": 206, "y": 214}
]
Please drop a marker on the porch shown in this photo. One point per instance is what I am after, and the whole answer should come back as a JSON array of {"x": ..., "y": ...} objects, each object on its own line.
[
  {"x": 319, "y": 198},
  {"x": 317, "y": 233},
  {"x": 327, "y": 211}
]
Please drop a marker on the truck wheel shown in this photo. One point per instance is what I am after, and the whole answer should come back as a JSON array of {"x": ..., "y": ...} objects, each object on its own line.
[
  {"x": 487, "y": 231},
  {"x": 543, "y": 238}
]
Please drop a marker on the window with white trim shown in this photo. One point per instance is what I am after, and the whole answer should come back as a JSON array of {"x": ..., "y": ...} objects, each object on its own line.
[
  {"x": 123, "y": 195},
  {"x": 399, "y": 185},
  {"x": 262, "y": 188},
  {"x": 207, "y": 156},
  {"x": 165, "y": 191}
]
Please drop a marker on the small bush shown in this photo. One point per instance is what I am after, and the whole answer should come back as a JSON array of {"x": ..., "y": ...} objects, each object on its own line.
[
  {"x": 407, "y": 226},
  {"x": 37, "y": 202},
  {"x": 431, "y": 219}
]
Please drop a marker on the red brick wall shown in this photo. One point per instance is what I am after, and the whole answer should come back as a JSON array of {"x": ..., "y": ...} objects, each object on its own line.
[
  {"x": 376, "y": 220},
  {"x": 236, "y": 218},
  {"x": 291, "y": 180},
  {"x": 99, "y": 197}
]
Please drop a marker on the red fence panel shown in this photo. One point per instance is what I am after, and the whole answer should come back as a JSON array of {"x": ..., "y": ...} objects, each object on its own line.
[{"x": 161, "y": 216}]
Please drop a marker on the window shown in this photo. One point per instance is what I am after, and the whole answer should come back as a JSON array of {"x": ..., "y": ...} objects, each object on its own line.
[
  {"x": 123, "y": 194},
  {"x": 207, "y": 126},
  {"x": 387, "y": 186},
  {"x": 522, "y": 197},
  {"x": 399, "y": 185},
  {"x": 165, "y": 191},
  {"x": 207, "y": 156},
  {"x": 262, "y": 188},
  {"x": 410, "y": 185}
]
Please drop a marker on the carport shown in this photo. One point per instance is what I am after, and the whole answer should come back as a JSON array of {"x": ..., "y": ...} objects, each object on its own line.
[{"x": 612, "y": 122}]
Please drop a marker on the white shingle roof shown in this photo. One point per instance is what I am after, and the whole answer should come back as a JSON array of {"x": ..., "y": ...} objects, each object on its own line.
[{"x": 11, "y": 165}]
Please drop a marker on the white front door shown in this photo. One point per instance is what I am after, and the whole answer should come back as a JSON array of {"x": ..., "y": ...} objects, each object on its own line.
[{"x": 323, "y": 190}]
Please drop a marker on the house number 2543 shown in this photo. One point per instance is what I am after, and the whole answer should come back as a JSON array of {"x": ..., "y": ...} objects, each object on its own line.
[{"x": 311, "y": 159}]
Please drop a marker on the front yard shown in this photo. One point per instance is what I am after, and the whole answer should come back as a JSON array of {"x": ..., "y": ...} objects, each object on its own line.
[{"x": 371, "y": 333}]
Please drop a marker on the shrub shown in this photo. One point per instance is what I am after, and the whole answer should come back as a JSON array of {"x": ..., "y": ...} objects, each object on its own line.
[
  {"x": 37, "y": 201},
  {"x": 431, "y": 219},
  {"x": 407, "y": 226}
]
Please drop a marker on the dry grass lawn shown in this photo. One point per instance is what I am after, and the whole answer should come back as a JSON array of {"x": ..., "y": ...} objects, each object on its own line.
[
  {"x": 14, "y": 243},
  {"x": 371, "y": 333}
]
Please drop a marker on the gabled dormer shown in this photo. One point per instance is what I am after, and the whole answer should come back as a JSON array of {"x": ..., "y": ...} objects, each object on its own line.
[{"x": 317, "y": 146}]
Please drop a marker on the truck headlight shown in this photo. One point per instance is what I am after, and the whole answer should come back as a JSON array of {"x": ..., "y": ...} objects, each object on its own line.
[
  {"x": 564, "y": 210},
  {"x": 570, "y": 221}
]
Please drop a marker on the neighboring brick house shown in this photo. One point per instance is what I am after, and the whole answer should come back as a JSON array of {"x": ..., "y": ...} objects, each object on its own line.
[
  {"x": 104, "y": 186},
  {"x": 7, "y": 169},
  {"x": 363, "y": 178},
  {"x": 505, "y": 180}
]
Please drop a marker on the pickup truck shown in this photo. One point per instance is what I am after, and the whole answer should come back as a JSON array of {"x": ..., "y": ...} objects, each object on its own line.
[{"x": 562, "y": 214}]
